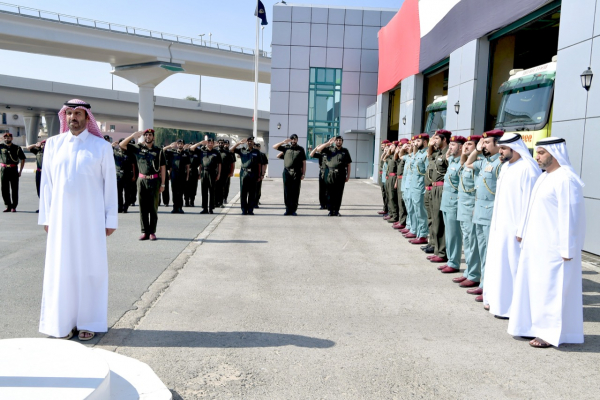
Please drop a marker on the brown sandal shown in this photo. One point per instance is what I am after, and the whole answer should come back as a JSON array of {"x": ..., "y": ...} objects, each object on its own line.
[
  {"x": 82, "y": 338},
  {"x": 539, "y": 343}
]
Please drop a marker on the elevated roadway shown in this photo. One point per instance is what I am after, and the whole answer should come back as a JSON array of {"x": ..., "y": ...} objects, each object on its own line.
[{"x": 34, "y": 98}]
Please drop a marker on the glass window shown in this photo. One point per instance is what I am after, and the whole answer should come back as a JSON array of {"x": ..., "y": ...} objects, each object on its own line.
[{"x": 324, "y": 98}]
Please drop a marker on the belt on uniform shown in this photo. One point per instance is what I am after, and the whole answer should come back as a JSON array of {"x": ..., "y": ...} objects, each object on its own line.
[
  {"x": 9, "y": 165},
  {"x": 148, "y": 176},
  {"x": 438, "y": 183},
  {"x": 392, "y": 174},
  {"x": 247, "y": 169},
  {"x": 428, "y": 188}
]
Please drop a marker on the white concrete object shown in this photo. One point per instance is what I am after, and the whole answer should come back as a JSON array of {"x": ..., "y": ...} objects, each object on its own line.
[
  {"x": 59, "y": 369},
  {"x": 37, "y": 97},
  {"x": 51, "y": 369}
]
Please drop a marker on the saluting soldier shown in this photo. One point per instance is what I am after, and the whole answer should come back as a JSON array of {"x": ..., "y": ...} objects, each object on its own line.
[
  {"x": 322, "y": 177},
  {"x": 210, "y": 171},
  {"x": 38, "y": 150},
  {"x": 400, "y": 168},
  {"x": 249, "y": 173},
  {"x": 294, "y": 168},
  {"x": 228, "y": 169},
  {"x": 419, "y": 166},
  {"x": 407, "y": 154},
  {"x": 178, "y": 165},
  {"x": 466, "y": 204},
  {"x": 165, "y": 196},
  {"x": 151, "y": 165},
  {"x": 191, "y": 186},
  {"x": 438, "y": 166},
  {"x": 487, "y": 171},
  {"x": 124, "y": 170},
  {"x": 338, "y": 162},
  {"x": 131, "y": 188},
  {"x": 11, "y": 156},
  {"x": 264, "y": 161},
  {"x": 449, "y": 205},
  {"x": 380, "y": 180},
  {"x": 224, "y": 152},
  {"x": 390, "y": 184}
]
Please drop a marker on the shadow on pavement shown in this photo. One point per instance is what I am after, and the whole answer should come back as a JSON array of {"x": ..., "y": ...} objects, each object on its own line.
[
  {"x": 149, "y": 338},
  {"x": 233, "y": 241}
]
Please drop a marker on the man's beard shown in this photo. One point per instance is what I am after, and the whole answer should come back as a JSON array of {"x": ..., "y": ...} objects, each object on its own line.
[
  {"x": 485, "y": 152},
  {"x": 420, "y": 147},
  {"x": 149, "y": 141},
  {"x": 545, "y": 166},
  {"x": 508, "y": 158}
]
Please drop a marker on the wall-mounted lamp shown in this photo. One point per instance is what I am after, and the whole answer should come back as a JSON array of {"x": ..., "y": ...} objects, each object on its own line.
[
  {"x": 586, "y": 78},
  {"x": 404, "y": 120},
  {"x": 8, "y": 107},
  {"x": 279, "y": 125},
  {"x": 457, "y": 107}
]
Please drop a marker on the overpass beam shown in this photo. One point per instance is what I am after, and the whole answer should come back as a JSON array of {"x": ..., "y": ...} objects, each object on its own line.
[
  {"x": 52, "y": 125},
  {"x": 32, "y": 128}
]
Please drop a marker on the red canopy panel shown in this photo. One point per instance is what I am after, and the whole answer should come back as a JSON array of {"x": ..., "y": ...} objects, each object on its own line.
[{"x": 399, "y": 46}]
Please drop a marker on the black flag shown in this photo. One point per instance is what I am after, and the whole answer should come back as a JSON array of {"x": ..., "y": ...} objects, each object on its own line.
[{"x": 261, "y": 13}]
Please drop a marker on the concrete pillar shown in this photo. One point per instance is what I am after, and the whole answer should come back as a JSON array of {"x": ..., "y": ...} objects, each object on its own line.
[
  {"x": 32, "y": 128},
  {"x": 381, "y": 129},
  {"x": 467, "y": 83},
  {"x": 52, "y": 125},
  {"x": 146, "y": 107},
  {"x": 411, "y": 106}
]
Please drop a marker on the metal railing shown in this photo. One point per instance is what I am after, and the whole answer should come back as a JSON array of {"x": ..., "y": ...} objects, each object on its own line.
[{"x": 108, "y": 26}]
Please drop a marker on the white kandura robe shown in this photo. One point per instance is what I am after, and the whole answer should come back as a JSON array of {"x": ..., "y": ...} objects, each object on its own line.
[
  {"x": 513, "y": 192},
  {"x": 547, "y": 296},
  {"x": 78, "y": 200}
]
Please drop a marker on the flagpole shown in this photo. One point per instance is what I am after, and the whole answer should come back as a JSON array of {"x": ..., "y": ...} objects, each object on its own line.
[{"x": 255, "y": 128}]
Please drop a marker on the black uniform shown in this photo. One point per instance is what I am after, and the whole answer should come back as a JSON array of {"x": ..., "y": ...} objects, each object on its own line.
[
  {"x": 209, "y": 169},
  {"x": 124, "y": 170},
  {"x": 166, "y": 195},
  {"x": 10, "y": 157},
  {"x": 322, "y": 179},
  {"x": 39, "y": 161},
  {"x": 149, "y": 161},
  {"x": 191, "y": 186},
  {"x": 264, "y": 160},
  {"x": 248, "y": 177},
  {"x": 337, "y": 162},
  {"x": 228, "y": 160},
  {"x": 177, "y": 164},
  {"x": 293, "y": 157}
]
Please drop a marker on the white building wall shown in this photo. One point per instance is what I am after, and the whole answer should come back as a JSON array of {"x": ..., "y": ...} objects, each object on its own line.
[
  {"x": 467, "y": 83},
  {"x": 305, "y": 37},
  {"x": 576, "y": 112}
]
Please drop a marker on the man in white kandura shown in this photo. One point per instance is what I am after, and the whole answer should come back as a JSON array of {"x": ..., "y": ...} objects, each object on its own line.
[
  {"x": 78, "y": 208},
  {"x": 547, "y": 296},
  {"x": 513, "y": 190}
]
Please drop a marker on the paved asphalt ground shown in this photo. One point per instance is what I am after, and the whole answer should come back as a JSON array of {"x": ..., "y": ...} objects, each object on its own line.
[
  {"x": 133, "y": 265},
  {"x": 307, "y": 307}
]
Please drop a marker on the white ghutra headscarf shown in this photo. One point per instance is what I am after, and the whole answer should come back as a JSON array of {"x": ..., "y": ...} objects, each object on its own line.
[{"x": 557, "y": 147}]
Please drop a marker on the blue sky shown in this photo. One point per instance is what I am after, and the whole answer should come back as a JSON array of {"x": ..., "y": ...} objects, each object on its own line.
[{"x": 229, "y": 21}]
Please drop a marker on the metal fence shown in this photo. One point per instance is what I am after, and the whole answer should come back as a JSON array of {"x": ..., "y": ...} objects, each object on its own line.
[{"x": 108, "y": 26}]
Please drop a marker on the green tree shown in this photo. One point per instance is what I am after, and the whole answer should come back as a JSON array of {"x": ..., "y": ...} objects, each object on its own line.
[{"x": 164, "y": 136}]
